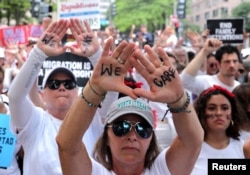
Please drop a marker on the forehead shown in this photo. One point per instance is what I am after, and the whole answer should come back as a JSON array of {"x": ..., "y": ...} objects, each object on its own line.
[
  {"x": 131, "y": 117},
  {"x": 229, "y": 57},
  {"x": 60, "y": 75},
  {"x": 218, "y": 99}
]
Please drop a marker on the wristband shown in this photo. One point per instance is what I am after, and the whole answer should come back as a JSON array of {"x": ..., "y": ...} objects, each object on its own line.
[
  {"x": 178, "y": 110},
  {"x": 89, "y": 103}
]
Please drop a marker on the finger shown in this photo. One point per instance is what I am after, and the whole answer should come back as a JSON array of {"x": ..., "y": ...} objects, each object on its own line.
[
  {"x": 154, "y": 58},
  {"x": 87, "y": 26},
  {"x": 62, "y": 29},
  {"x": 164, "y": 57},
  {"x": 118, "y": 50},
  {"x": 107, "y": 47},
  {"x": 135, "y": 61},
  {"x": 75, "y": 27}
]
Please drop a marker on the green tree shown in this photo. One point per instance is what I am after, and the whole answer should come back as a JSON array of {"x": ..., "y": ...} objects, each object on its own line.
[
  {"x": 243, "y": 11},
  {"x": 153, "y": 13},
  {"x": 14, "y": 9}
]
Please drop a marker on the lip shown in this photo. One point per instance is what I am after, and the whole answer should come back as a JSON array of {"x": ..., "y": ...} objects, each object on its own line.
[
  {"x": 219, "y": 121},
  {"x": 129, "y": 148}
]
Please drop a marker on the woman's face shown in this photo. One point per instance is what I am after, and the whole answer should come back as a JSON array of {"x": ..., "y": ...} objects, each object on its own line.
[
  {"x": 130, "y": 148},
  {"x": 218, "y": 112}
]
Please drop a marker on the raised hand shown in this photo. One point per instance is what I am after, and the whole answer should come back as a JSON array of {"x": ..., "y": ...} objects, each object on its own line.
[
  {"x": 110, "y": 71},
  {"x": 161, "y": 76},
  {"x": 50, "y": 41},
  {"x": 86, "y": 40}
]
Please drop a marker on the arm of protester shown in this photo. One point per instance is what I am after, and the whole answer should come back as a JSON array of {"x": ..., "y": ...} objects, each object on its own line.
[
  {"x": 166, "y": 87},
  {"x": 13, "y": 48},
  {"x": 246, "y": 148},
  {"x": 35, "y": 96},
  {"x": 209, "y": 46},
  {"x": 73, "y": 154},
  {"x": 49, "y": 44},
  {"x": 162, "y": 40}
]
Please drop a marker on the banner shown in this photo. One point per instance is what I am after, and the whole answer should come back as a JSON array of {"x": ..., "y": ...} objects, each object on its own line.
[
  {"x": 81, "y": 9},
  {"x": 226, "y": 30},
  {"x": 19, "y": 34}
]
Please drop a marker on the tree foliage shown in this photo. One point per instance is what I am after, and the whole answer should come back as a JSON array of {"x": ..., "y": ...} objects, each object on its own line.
[
  {"x": 243, "y": 11},
  {"x": 14, "y": 9},
  {"x": 153, "y": 13}
]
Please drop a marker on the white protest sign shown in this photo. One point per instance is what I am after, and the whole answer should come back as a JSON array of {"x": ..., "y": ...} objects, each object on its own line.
[
  {"x": 7, "y": 141},
  {"x": 81, "y": 9}
]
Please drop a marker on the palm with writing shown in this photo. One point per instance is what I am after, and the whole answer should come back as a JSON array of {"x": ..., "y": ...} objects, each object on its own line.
[{"x": 87, "y": 41}]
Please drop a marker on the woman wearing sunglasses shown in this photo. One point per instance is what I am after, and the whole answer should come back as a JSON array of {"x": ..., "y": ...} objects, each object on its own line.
[{"x": 128, "y": 144}]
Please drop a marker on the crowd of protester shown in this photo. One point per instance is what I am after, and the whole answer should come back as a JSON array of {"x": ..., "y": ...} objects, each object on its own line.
[{"x": 57, "y": 128}]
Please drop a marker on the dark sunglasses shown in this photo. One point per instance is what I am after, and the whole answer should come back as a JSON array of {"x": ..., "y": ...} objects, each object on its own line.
[
  {"x": 241, "y": 71},
  {"x": 121, "y": 128},
  {"x": 212, "y": 65},
  {"x": 55, "y": 84}
]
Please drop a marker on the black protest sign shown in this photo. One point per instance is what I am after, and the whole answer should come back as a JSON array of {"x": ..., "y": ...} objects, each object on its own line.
[
  {"x": 80, "y": 66},
  {"x": 226, "y": 30}
]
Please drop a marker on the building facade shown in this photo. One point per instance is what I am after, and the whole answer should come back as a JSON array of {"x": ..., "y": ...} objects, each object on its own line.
[{"x": 201, "y": 10}]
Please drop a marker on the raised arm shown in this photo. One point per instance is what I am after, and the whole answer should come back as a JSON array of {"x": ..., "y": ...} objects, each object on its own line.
[
  {"x": 194, "y": 66},
  {"x": 109, "y": 69},
  {"x": 166, "y": 87}
]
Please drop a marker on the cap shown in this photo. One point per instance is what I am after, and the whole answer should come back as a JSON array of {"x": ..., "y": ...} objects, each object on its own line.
[
  {"x": 127, "y": 105},
  {"x": 57, "y": 70}
]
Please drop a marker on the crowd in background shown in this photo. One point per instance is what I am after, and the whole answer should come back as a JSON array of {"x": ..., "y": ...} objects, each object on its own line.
[{"x": 212, "y": 72}]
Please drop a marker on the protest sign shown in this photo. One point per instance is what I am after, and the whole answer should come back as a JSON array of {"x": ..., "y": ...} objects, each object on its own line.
[
  {"x": 226, "y": 30},
  {"x": 81, "y": 9},
  {"x": 80, "y": 66},
  {"x": 7, "y": 141}
]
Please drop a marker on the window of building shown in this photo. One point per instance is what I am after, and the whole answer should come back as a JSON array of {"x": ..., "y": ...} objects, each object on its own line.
[
  {"x": 197, "y": 18},
  {"x": 207, "y": 15},
  {"x": 224, "y": 12},
  {"x": 215, "y": 13}
]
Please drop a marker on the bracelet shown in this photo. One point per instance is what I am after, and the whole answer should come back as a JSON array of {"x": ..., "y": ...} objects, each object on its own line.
[
  {"x": 89, "y": 103},
  {"x": 98, "y": 94},
  {"x": 178, "y": 110},
  {"x": 177, "y": 99}
]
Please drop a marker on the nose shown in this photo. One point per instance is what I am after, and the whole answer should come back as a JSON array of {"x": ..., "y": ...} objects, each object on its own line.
[
  {"x": 61, "y": 87},
  {"x": 132, "y": 136}
]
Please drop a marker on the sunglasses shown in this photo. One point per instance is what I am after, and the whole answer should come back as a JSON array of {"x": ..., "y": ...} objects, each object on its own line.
[
  {"x": 241, "y": 71},
  {"x": 121, "y": 128},
  {"x": 55, "y": 84},
  {"x": 212, "y": 65}
]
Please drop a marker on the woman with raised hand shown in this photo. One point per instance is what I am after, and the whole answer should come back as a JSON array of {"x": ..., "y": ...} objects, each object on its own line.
[{"x": 128, "y": 144}]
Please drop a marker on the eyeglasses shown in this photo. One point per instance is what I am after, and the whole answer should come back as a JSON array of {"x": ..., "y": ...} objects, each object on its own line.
[
  {"x": 121, "y": 128},
  {"x": 55, "y": 84},
  {"x": 241, "y": 71}
]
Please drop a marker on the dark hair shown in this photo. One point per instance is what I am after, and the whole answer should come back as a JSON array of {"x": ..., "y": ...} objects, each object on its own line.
[
  {"x": 242, "y": 97},
  {"x": 103, "y": 155},
  {"x": 229, "y": 49},
  {"x": 200, "y": 106},
  {"x": 210, "y": 55}
]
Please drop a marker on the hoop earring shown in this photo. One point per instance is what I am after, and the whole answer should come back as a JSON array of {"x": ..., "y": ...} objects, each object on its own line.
[{"x": 232, "y": 122}]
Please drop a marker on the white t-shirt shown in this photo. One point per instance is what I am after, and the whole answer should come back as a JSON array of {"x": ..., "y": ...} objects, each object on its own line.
[
  {"x": 233, "y": 151},
  {"x": 159, "y": 167},
  {"x": 38, "y": 138},
  {"x": 197, "y": 84}
]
